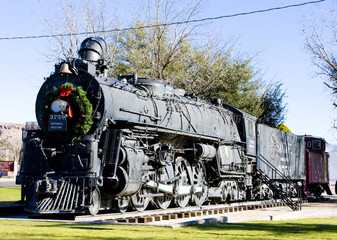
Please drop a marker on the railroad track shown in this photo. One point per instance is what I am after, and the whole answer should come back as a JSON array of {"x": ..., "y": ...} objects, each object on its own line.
[
  {"x": 149, "y": 216},
  {"x": 158, "y": 215}
]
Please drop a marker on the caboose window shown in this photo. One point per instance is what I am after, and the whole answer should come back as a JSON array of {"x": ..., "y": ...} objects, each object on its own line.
[
  {"x": 316, "y": 145},
  {"x": 251, "y": 128}
]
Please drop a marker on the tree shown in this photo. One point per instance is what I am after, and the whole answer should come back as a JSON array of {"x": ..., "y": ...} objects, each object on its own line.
[
  {"x": 274, "y": 109},
  {"x": 239, "y": 88},
  {"x": 323, "y": 48},
  {"x": 170, "y": 53},
  {"x": 73, "y": 18},
  {"x": 11, "y": 139},
  {"x": 150, "y": 53},
  {"x": 157, "y": 52},
  {"x": 209, "y": 72}
]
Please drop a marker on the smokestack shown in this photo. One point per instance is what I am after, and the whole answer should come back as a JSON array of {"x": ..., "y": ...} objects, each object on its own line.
[{"x": 92, "y": 49}]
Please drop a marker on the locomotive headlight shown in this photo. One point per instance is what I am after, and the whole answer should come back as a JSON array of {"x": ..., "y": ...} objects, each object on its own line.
[{"x": 58, "y": 106}]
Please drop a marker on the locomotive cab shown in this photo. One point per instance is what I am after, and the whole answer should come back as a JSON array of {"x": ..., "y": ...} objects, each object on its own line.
[
  {"x": 246, "y": 125},
  {"x": 250, "y": 130}
]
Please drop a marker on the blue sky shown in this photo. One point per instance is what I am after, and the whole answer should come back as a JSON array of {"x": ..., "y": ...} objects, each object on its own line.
[{"x": 277, "y": 35}]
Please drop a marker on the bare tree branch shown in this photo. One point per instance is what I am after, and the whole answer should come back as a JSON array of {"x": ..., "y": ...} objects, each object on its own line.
[
  {"x": 322, "y": 49},
  {"x": 91, "y": 16}
]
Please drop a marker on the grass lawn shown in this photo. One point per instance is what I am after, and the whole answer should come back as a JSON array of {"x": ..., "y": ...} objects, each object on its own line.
[
  {"x": 292, "y": 229},
  {"x": 8, "y": 196}
]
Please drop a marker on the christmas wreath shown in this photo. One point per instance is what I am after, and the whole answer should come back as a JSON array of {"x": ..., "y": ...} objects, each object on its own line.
[{"x": 79, "y": 119}]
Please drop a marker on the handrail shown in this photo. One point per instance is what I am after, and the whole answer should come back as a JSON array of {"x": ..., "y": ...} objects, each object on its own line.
[
  {"x": 278, "y": 172},
  {"x": 289, "y": 183}
]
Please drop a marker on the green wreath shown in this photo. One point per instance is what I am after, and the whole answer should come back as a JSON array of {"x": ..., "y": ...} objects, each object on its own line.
[{"x": 81, "y": 120}]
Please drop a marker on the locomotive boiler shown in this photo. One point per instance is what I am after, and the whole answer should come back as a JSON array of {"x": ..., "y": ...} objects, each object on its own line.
[{"x": 129, "y": 142}]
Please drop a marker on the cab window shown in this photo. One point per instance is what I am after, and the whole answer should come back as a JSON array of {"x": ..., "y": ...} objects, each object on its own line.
[
  {"x": 251, "y": 129},
  {"x": 316, "y": 145}
]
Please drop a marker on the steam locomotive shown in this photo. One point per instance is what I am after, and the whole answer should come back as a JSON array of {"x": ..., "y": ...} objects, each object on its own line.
[{"x": 129, "y": 142}]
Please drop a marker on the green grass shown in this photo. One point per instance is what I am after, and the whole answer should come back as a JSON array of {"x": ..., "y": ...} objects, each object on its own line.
[
  {"x": 290, "y": 229},
  {"x": 9, "y": 196},
  {"x": 294, "y": 229}
]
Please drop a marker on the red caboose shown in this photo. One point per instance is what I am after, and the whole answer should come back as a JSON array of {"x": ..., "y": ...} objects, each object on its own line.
[{"x": 317, "y": 166}]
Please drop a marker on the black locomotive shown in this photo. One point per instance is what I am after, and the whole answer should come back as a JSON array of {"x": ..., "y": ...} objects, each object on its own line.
[{"x": 114, "y": 144}]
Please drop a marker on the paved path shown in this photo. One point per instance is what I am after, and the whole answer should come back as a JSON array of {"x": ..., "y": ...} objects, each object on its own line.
[
  {"x": 8, "y": 182},
  {"x": 309, "y": 210}
]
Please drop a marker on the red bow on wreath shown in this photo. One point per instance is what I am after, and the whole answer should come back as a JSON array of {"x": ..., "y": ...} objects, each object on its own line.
[{"x": 65, "y": 93}]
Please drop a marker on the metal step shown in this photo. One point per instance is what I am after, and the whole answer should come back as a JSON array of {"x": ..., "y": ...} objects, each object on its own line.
[{"x": 284, "y": 195}]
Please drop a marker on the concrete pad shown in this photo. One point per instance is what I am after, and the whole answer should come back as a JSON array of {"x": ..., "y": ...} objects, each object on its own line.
[{"x": 309, "y": 210}]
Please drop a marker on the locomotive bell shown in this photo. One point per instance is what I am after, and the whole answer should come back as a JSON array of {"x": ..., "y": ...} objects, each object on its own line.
[{"x": 64, "y": 68}]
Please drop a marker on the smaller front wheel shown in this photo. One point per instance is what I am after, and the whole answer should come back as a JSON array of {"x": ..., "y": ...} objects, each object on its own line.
[
  {"x": 95, "y": 203},
  {"x": 121, "y": 204}
]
